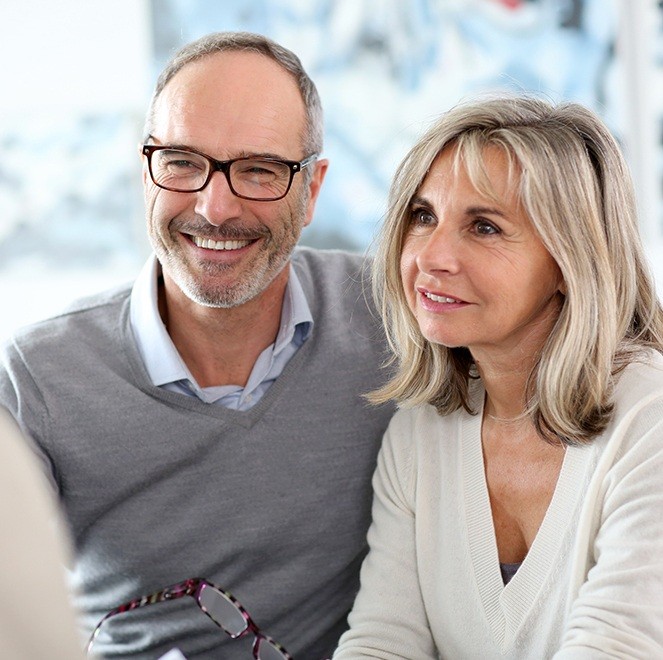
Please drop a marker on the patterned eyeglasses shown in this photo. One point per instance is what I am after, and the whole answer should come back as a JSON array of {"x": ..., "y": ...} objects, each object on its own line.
[{"x": 219, "y": 605}]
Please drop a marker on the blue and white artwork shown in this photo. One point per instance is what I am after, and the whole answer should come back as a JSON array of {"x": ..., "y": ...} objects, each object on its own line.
[
  {"x": 70, "y": 186},
  {"x": 70, "y": 178},
  {"x": 386, "y": 68}
]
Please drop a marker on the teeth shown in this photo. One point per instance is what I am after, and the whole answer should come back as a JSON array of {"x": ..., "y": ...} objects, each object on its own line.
[
  {"x": 442, "y": 299},
  {"x": 209, "y": 244}
]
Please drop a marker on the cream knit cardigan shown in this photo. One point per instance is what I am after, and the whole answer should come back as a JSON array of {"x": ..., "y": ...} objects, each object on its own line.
[{"x": 591, "y": 585}]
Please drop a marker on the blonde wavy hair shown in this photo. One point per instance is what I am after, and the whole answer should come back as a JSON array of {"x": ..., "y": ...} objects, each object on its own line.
[{"x": 575, "y": 187}]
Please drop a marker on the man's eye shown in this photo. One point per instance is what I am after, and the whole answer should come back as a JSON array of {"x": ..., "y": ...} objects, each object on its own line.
[
  {"x": 258, "y": 171},
  {"x": 181, "y": 164},
  {"x": 253, "y": 170}
]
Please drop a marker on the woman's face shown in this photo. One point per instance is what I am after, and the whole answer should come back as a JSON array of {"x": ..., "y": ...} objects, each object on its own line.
[{"x": 474, "y": 271}]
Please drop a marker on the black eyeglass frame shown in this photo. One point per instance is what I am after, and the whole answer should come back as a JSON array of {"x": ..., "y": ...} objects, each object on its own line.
[{"x": 294, "y": 166}]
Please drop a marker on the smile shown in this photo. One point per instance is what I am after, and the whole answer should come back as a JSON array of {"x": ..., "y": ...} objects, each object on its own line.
[
  {"x": 440, "y": 299},
  {"x": 210, "y": 244}
]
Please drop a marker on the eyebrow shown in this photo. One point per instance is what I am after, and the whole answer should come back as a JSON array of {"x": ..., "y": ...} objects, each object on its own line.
[
  {"x": 179, "y": 146},
  {"x": 417, "y": 200},
  {"x": 488, "y": 210}
]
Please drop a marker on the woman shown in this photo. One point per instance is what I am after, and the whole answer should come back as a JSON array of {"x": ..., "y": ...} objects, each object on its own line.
[{"x": 518, "y": 507}]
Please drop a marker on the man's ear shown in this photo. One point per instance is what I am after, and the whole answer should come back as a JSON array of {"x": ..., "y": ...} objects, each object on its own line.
[{"x": 314, "y": 188}]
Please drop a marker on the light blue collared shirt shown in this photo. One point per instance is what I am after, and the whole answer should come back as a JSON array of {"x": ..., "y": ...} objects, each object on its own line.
[{"x": 166, "y": 367}]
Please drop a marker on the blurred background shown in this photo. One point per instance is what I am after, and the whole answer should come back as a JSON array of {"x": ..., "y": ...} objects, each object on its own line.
[{"x": 76, "y": 77}]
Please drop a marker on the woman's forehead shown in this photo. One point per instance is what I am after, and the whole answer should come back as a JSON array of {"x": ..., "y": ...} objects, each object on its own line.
[{"x": 489, "y": 168}]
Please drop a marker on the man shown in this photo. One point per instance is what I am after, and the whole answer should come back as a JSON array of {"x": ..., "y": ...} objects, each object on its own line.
[{"x": 210, "y": 422}]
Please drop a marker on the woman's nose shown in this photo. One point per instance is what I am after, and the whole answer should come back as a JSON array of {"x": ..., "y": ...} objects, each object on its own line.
[{"x": 438, "y": 251}]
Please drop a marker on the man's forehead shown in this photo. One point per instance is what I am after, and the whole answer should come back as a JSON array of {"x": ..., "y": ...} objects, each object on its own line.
[{"x": 232, "y": 98}]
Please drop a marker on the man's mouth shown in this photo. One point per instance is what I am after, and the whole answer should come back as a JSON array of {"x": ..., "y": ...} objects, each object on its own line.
[{"x": 210, "y": 244}]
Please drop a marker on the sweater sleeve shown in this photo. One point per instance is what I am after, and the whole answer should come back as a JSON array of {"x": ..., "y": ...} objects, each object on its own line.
[
  {"x": 618, "y": 611},
  {"x": 388, "y": 619}
]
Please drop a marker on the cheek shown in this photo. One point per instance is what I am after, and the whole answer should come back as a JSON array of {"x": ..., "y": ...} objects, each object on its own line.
[
  {"x": 306, "y": 208},
  {"x": 151, "y": 196},
  {"x": 549, "y": 274},
  {"x": 408, "y": 271},
  {"x": 162, "y": 206},
  {"x": 286, "y": 218},
  {"x": 408, "y": 262}
]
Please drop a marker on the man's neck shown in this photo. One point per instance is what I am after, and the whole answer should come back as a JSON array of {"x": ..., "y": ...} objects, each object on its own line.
[{"x": 220, "y": 346}]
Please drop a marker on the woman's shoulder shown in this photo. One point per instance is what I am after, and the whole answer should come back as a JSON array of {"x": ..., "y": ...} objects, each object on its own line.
[
  {"x": 641, "y": 380},
  {"x": 421, "y": 448},
  {"x": 423, "y": 414},
  {"x": 638, "y": 399},
  {"x": 423, "y": 432}
]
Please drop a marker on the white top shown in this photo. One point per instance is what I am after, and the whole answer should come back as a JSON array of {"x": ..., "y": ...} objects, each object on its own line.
[
  {"x": 36, "y": 617},
  {"x": 591, "y": 585}
]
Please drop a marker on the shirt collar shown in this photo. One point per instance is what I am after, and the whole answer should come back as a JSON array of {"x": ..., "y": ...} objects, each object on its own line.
[
  {"x": 295, "y": 315},
  {"x": 163, "y": 362}
]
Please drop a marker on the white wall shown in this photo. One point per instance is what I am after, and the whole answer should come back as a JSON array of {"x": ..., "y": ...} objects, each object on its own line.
[
  {"x": 73, "y": 54},
  {"x": 59, "y": 58}
]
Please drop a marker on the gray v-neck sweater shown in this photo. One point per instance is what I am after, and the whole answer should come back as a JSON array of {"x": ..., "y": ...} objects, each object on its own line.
[{"x": 272, "y": 503}]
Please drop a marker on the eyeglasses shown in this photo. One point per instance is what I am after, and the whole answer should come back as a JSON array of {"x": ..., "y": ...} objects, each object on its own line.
[
  {"x": 258, "y": 179},
  {"x": 219, "y": 605}
]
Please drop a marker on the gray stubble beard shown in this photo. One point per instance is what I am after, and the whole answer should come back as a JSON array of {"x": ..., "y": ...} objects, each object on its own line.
[{"x": 245, "y": 290}]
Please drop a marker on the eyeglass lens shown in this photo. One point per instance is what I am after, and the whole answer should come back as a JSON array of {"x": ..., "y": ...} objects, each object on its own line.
[
  {"x": 267, "y": 651},
  {"x": 251, "y": 177},
  {"x": 227, "y": 615},
  {"x": 222, "y": 610}
]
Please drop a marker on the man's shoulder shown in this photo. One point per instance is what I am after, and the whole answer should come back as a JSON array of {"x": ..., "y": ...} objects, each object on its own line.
[
  {"x": 333, "y": 267},
  {"x": 338, "y": 289},
  {"x": 77, "y": 317},
  {"x": 112, "y": 296},
  {"x": 342, "y": 259}
]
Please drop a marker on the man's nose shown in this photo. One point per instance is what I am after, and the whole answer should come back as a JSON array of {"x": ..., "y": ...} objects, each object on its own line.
[{"x": 216, "y": 202}]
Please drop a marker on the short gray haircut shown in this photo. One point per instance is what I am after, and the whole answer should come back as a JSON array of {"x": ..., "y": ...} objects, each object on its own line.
[{"x": 221, "y": 42}]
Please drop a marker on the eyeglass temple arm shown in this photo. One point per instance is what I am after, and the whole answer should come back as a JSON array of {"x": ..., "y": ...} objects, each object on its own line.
[
  {"x": 187, "y": 588},
  {"x": 307, "y": 161}
]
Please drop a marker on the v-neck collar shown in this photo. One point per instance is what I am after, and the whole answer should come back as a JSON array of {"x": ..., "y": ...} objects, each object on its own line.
[{"x": 506, "y": 607}]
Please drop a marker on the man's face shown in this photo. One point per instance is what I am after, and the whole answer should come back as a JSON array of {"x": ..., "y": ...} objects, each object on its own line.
[{"x": 218, "y": 249}]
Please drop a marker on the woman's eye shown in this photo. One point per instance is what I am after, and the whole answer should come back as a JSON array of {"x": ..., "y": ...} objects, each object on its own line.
[
  {"x": 485, "y": 228},
  {"x": 421, "y": 218}
]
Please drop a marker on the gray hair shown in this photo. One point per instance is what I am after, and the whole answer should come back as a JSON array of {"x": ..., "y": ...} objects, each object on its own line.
[
  {"x": 575, "y": 187},
  {"x": 219, "y": 42}
]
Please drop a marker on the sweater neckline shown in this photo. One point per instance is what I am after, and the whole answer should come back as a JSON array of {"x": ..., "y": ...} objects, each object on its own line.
[
  {"x": 506, "y": 607},
  {"x": 242, "y": 418}
]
